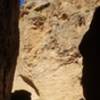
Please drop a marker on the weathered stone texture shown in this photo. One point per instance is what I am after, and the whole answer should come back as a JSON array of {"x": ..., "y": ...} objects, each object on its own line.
[{"x": 51, "y": 31}]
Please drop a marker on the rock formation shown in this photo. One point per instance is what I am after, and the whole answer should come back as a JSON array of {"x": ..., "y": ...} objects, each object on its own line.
[
  {"x": 9, "y": 45},
  {"x": 49, "y": 61}
]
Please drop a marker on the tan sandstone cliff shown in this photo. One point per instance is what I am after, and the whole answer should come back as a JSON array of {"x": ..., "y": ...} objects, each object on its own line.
[{"x": 49, "y": 61}]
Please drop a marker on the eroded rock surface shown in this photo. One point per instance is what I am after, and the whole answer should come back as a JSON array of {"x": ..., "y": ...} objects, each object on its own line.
[{"x": 51, "y": 31}]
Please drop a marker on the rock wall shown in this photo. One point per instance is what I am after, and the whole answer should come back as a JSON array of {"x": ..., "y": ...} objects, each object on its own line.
[
  {"x": 9, "y": 45},
  {"x": 51, "y": 31}
]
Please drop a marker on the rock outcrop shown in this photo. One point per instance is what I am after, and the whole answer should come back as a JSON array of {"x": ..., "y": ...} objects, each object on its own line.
[
  {"x": 9, "y": 45},
  {"x": 51, "y": 31}
]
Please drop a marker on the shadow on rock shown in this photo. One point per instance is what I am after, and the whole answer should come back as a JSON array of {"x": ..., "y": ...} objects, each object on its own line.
[
  {"x": 21, "y": 95},
  {"x": 90, "y": 50}
]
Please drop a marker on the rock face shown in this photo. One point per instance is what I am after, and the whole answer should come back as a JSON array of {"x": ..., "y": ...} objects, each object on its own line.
[
  {"x": 9, "y": 45},
  {"x": 51, "y": 31}
]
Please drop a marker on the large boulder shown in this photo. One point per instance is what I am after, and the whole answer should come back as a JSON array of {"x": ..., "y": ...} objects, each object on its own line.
[{"x": 51, "y": 31}]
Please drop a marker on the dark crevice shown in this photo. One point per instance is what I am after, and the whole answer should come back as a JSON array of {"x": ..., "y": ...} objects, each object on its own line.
[
  {"x": 21, "y": 95},
  {"x": 90, "y": 50},
  {"x": 9, "y": 45},
  {"x": 31, "y": 84}
]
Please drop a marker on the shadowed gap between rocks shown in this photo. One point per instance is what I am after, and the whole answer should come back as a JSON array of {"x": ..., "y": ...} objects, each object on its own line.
[
  {"x": 90, "y": 50},
  {"x": 9, "y": 45},
  {"x": 21, "y": 95}
]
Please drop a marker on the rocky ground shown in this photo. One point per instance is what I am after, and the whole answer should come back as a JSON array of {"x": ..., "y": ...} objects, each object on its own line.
[{"x": 50, "y": 65}]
